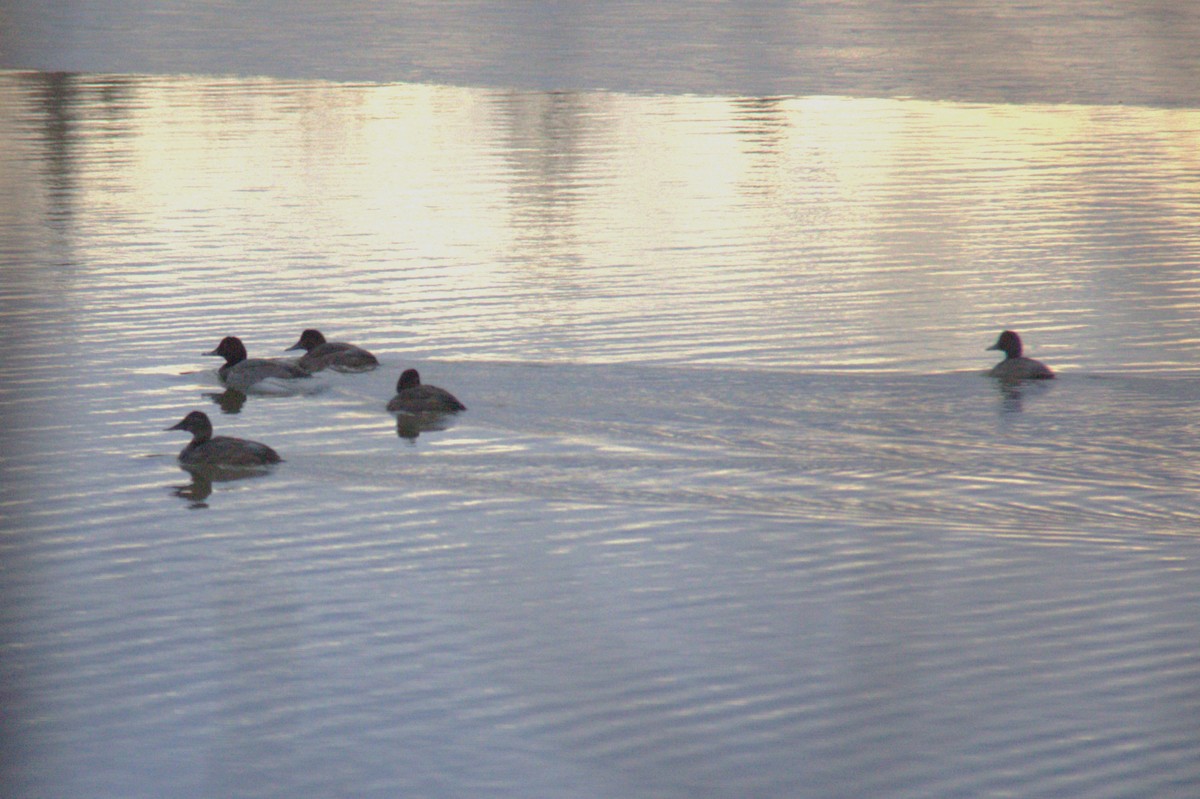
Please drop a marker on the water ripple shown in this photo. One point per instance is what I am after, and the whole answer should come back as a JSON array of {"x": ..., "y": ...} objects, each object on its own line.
[{"x": 733, "y": 511}]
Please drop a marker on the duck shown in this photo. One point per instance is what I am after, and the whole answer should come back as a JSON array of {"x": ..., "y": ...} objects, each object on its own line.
[
  {"x": 240, "y": 372},
  {"x": 1015, "y": 366},
  {"x": 414, "y": 396},
  {"x": 205, "y": 449},
  {"x": 338, "y": 355}
]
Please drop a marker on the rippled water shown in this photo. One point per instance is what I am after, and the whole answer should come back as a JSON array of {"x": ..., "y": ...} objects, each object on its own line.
[{"x": 733, "y": 511}]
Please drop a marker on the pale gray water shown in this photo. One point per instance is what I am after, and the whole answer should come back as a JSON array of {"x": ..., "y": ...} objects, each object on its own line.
[
  {"x": 733, "y": 511},
  {"x": 1061, "y": 51}
]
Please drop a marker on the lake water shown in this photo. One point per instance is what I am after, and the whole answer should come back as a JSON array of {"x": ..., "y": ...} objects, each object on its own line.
[{"x": 734, "y": 511}]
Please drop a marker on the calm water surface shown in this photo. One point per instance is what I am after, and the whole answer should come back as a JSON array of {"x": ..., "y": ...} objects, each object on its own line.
[{"x": 733, "y": 511}]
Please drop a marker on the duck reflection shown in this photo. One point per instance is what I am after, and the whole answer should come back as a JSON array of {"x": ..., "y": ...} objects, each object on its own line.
[
  {"x": 229, "y": 401},
  {"x": 1014, "y": 392},
  {"x": 411, "y": 425},
  {"x": 201, "y": 487}
]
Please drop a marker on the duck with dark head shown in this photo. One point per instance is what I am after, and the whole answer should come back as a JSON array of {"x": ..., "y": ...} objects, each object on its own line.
[
  {"x": 241, "y": 372},
  {"x": 337, "y": 355},
  {"x": 413, "y": 396},
  {"x": 1015, "y": 365},
  {"x": 205, "y": 449}
]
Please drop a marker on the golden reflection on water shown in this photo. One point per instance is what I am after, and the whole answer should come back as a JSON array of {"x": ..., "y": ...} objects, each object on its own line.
[{"x": 596, "y": 225}]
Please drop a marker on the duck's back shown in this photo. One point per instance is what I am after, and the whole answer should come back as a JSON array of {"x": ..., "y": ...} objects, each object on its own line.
[
  {"x": 423, "y": 398},
  {"x": 338, "y": 355},
  {"x": 1021, "y": 368},
  {"x": 244, "y": 374},
  {"x": 227, "y": 451}
]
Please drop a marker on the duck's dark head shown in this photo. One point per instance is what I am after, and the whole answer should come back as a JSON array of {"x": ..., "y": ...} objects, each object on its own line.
[
  {"x": 408, "y": 379},
  {"x": 197, "y": 424},
  {"x": 309, "y": 340},
  {"x": 231, "y": 349},
  {"x": 1009, "y": 343}
]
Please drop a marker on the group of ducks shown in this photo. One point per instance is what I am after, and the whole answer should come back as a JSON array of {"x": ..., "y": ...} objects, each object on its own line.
[
  {"x": 412, "y": 396},
  {"x": 240, "y": 372}
]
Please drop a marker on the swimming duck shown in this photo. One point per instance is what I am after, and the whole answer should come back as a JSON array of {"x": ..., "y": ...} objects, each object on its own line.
[
  {"x": 415, "y": 397},
  {"x": 337, "y": 355},
  {"x": 1015, "y": 366},
  {"x": 241, "y": 372},
  {"x": 208, "y": 450}
]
